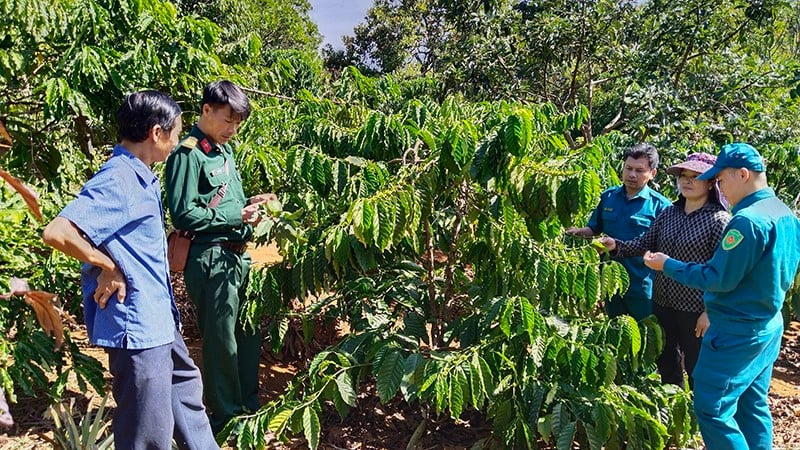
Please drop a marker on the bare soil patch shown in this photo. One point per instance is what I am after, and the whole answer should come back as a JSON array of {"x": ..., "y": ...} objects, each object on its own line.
[{"x": 784, "y": 395}]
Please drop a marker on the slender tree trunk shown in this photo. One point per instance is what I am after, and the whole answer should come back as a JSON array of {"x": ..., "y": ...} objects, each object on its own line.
[
  {"x": 452, "y": 253},
  {"x": 435, "y": 337},
  {"x": 84, "y": 136},
  {"x": 572, "y": 98}
]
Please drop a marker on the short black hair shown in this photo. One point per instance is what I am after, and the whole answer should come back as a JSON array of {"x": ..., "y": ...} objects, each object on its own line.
[
  {"x": 141, "y": 111},
  {"x": 643, "y": 151},
  {"x": 224, "y": 92}
]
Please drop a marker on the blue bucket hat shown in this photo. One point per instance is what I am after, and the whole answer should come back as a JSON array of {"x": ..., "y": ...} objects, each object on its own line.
[{"x": 736, "y": 155}]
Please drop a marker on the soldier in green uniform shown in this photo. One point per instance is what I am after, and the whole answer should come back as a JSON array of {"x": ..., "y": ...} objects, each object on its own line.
[{"x": 205, "y": 197}]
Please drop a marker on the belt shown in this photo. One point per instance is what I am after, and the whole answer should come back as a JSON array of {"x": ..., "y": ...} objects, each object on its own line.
[{"x": 234, "y": 246}]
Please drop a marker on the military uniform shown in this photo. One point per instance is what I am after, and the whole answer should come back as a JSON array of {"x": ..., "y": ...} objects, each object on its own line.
[
  {"x": 625, "y": 219},
  {"x": 216, "y": 273},
  {"x": 745, "y": 283}
]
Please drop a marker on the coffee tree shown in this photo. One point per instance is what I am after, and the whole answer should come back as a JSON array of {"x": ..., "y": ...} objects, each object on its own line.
[
  {"x": 434, "y": 231},
  {"x": 64, "y": 66},
  {"x": 423, "y": 214}
]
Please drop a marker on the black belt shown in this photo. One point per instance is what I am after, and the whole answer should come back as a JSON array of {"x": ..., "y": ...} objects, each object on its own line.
[{"x": 236, "y": 247}]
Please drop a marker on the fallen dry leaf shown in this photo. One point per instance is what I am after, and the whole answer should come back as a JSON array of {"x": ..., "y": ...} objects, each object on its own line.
[
  {"x": 47, "y": 314},
  {"x": 46, "y": 307},
  {"x": 29, "y": 195},
  {"x": 5, "y": 136}
]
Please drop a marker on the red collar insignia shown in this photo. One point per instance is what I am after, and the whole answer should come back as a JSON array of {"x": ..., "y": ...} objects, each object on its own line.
[{"x": 205, "y": 145}]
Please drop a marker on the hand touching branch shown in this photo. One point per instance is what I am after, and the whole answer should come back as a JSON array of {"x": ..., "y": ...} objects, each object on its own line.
[
  {"x": 608, "y": 242},
  {"x": 251, "y": 213},
  {"x": 583, "y": 232}
]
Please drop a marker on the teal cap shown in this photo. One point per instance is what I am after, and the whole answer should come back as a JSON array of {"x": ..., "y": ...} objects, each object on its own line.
[{"x": 736, "y": 155}]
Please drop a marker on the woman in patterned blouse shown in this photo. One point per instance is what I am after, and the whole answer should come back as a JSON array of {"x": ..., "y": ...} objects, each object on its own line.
[{"x": 689, "y": 230}]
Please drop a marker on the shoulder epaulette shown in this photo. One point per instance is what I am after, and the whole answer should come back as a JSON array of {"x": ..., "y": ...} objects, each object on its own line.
[{"x": 189, "y": 142}]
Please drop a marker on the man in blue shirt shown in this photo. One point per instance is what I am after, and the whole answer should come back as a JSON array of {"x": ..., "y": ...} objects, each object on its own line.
[
  {"x": 626, "y": 212},
  {"x": 116, "y": 227},
  {"x": 745, "y": 283}
]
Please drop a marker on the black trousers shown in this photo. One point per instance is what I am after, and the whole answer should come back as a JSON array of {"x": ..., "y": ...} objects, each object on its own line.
[{"x": 681, "y": 346}]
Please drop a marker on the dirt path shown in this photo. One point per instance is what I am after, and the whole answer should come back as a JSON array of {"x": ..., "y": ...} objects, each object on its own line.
[{"x": 784, "y": 393}]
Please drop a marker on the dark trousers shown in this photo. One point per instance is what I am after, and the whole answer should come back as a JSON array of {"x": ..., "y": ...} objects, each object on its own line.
[
  {"x": 638, "y": 308},
  {"x": 159, "y": 397},
  {"x": 731, "y": 387},
  {"x": 216, "y": 280},
  {"x": 681, "y": 346}
]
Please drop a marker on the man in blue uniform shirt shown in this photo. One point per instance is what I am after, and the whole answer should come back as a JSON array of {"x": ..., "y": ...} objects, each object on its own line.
[
  {"x": 626, "y": 212},
  {"x": 115, "y": 226},
  {"x": 745, "y": 283}
]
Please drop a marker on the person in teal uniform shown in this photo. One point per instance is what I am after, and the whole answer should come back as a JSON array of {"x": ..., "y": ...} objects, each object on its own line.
[
  {"x": 745, "y": 283},
  {"x": 624, "y": 213},
  {"x": 205, "y": 197}
]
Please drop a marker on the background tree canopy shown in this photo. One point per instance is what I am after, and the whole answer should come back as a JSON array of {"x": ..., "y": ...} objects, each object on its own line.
[
  {"x": 685, "y": 75},
  {"x": 424, "y": 189},
  {"x": 658, "y": 67}
]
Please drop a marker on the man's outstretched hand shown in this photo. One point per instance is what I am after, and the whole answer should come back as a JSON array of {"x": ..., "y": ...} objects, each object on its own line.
[
  {"x": 251, "y": 213},
  {"x": 582, "y": 232},
  {"x": 262, "y": 198},
  {"x": 655, "y": 260}
]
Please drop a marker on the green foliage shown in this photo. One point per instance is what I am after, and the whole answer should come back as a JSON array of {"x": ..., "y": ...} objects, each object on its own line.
[
  {"x": 91, "y": 432},
  {"x": 269, "y": 24},
  {"x": 396, "y": 33},
  {"x": 29, "y": 358},
  {"x": 684, "y": 74},
  {"x": 425, "y": 212},
  {"x": 434, "y": 230},
  {"x": 64, "y": 69}
]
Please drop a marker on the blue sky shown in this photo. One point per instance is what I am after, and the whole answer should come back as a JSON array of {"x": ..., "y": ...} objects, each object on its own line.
[{"x": 336, "y": 18}]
